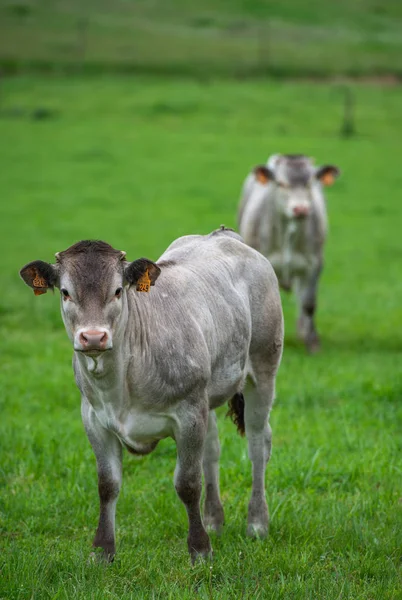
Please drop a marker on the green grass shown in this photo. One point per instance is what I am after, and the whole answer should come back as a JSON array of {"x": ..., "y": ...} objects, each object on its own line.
[
  {"x": 138, "y": 163},
  {"x": 291, "y": 38}
]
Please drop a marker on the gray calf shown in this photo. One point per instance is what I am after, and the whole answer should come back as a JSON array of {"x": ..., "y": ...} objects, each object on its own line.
[
  {"x": 154, "y": 365},
  {"x": 283, "y": 215}
]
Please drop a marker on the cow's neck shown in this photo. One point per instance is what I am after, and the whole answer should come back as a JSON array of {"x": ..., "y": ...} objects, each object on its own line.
[
  {"x": 290, "y": 233},
  {"x": 291, "y": 238}
]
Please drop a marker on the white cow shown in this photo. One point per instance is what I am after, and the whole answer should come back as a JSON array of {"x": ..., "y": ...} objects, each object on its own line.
[
  {"x": 282, "y": 214},
  {"x": 156, "y": 364}
]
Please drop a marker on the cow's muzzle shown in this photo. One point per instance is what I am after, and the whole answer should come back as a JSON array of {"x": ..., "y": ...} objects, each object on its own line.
[
  {"x": 93, "y": 340},
  {"x": 301, "y": 211}
]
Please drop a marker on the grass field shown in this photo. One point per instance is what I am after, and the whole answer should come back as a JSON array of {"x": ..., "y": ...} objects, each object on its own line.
[
  {"x": 138, "y": 162},
  {"x": 291, "y": 38}
]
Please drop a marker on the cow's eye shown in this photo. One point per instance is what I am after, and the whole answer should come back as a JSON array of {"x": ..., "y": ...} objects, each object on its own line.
[
  {"x": 65, "y": 293},
  {"x": 118, "y": 292}
]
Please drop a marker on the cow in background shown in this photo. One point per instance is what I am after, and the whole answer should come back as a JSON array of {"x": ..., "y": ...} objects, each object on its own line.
[{"x": 282, "y": 214}]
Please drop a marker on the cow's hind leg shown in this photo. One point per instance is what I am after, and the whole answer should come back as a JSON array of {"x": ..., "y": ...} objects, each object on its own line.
[
  {"x": 258, "y": 431},
  {"x": 190, "y": 436},
  {"x": 108, "y": 452},
  {"x": 213, "y": 510}
]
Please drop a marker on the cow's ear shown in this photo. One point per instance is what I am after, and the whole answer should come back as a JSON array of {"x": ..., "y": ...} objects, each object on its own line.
[
  {"x": 40, "y": 276},
  {"x": 142, "y": 273},
  {"x": 327, "y": 174},
  {"x": 263, "y": 174}
]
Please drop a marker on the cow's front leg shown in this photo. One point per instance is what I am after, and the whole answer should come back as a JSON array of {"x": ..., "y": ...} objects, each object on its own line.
[
  {"x": 108, "y": 452},
  {"x": 306, "y": 292},
  {"x": 190, "y": 436}
]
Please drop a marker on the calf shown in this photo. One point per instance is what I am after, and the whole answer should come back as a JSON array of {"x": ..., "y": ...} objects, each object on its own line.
[
  {"x": 159, "y": 346},
  {"x": 282, "y": 214}
]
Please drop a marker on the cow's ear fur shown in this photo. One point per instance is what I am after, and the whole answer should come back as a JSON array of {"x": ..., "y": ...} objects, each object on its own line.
[
  {"x": 263, "y": 174},
  {"x": 137, "y": 269},
  {"x": 327, "y": 174},
  {"x": 40, "y": 276}
]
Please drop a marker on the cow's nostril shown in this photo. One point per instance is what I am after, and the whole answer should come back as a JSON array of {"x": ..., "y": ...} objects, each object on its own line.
[
  {"x": 83, "y": 339},
  {"x": 93, "y": 340}
]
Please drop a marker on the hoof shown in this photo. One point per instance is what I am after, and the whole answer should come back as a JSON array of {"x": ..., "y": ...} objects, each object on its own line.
[
  {"x": 200, "y": 547},
  {"x": 201, "y": 557},
  {"x": 100, "y": 554},
  {"x": 313, "y": 346},
  {"x": 214, "y": 519},
  {"x": 213, "y": 527},
  {"x": 257, "y": 530}
]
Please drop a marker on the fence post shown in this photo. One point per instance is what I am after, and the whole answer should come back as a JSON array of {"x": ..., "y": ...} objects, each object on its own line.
[{"x": 348, "y": 128}]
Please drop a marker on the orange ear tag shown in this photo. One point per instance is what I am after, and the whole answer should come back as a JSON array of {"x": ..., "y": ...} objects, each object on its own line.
[
  {"x": 40, "y": 285},
  {"x": 328, "y": 179},
  {"x": 144, "y": 282},
  {"x": 262, "y": 178}
]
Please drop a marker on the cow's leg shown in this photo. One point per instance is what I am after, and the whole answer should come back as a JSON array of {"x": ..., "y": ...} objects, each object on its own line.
[
  {"x": 258, "y": 431},
  {"x": 190, "y": 436},
  {"x": 306, "y": 293},
  {"x": 108, "y": 454},
  {"x": 213, "y": 510}
]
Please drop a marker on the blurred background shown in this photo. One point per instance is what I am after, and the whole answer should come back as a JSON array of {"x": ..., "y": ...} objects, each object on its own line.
[
  {"x": 259, "y": 37},
  {"x": 135, "y": 123}
]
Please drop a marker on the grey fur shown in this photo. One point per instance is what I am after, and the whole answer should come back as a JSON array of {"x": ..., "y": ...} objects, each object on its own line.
[{"x": 176, "y": 353}]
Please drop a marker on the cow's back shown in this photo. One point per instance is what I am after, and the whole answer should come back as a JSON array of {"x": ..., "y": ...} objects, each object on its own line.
[{"x": 229, "y": 279}]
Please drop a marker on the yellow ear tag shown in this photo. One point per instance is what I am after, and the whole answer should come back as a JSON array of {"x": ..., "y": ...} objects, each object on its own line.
[
  {"x": 39, "y": 285},
  {"x": 328, "y": 179},
  {"x": 144, "y": 282}
]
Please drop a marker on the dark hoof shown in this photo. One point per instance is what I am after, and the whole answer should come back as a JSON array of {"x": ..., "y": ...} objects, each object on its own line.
[
  {"x": 102, "y": 555},
  {"x": 203, "y": 556},
  {"x": 200, "y": 547}
]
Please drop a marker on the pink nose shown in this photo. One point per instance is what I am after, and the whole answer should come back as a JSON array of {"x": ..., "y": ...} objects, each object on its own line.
[
  {"x": 300, "y": 211},
  {"x": 93, "y": 340}
]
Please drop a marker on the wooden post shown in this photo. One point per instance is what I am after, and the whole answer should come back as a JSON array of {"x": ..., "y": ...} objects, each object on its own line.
[{"x": 348, "y": 128}]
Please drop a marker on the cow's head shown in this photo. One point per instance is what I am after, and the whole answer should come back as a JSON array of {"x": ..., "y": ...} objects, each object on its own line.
[
  {"x": 295, "y": 178},
  {"x": 91, "y": 276}
]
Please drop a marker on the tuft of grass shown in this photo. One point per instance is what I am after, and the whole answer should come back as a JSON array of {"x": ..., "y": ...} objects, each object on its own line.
[{"x": 120, "y": 164}]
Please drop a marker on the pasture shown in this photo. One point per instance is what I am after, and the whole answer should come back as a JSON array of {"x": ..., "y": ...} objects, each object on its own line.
[{"x": 139, "y": 162}]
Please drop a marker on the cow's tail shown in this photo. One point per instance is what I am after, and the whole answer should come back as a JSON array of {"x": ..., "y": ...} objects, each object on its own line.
[{"x": 236, "y": 412}]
